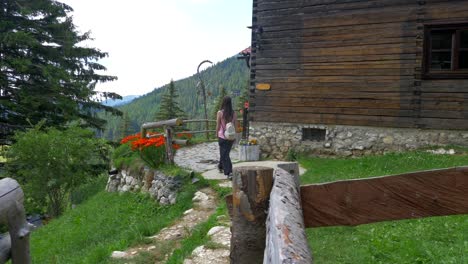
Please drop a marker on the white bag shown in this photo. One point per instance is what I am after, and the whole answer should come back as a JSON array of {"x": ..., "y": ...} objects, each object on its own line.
[{"x": 230, "y": 131}]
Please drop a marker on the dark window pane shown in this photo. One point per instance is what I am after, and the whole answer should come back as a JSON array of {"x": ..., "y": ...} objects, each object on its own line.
[
  {"x": 441, "y": 60},
  {"x": 464, "y": 39},
  {"x": 441, "y": 39},
  {"x": 463, "y": 60}
]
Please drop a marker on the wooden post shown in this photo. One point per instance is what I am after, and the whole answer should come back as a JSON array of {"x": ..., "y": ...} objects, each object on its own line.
[
  {"x": 169, "y": 150},
  {"x": 12, "y": 213},
  {"x": 5, "y": 248},
  {"x": 251, "y": 192}
]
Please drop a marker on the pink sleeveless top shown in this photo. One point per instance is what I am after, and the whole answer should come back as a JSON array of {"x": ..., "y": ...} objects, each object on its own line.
[{"x": 222, "y": 125}]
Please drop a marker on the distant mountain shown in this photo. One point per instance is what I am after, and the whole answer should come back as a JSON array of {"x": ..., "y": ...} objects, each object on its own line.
[
  {"x": 125, "y": 100},
  {"x": 232, "y": 74}
]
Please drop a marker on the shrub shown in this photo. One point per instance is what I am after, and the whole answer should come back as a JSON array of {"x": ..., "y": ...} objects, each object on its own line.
[{"x": 49, "y": 163}]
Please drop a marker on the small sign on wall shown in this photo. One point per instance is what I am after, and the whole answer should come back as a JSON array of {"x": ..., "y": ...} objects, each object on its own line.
[{"x": 263, "y": 86}]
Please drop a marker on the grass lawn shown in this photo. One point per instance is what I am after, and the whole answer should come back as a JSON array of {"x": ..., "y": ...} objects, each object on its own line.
[
  {"x": 428, "y": 240},
  {"x": 103, "y": 223}
]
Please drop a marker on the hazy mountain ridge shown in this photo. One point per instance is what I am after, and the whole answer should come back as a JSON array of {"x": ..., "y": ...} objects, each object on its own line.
[
  {"x": 232, "y": 74},
  {"x": 125, "y": 100}
]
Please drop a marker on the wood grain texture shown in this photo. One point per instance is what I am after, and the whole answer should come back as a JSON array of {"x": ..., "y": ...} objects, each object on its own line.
[
  {"x": 251, "y": 187},
  {"x": 405, "y": 196},
  {"x": 286, "y": 241},
  {"x": 356, "y": 62}
]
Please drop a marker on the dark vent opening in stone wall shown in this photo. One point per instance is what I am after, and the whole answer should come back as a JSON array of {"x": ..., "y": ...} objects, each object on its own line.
[{"x": 313, "y": 134}]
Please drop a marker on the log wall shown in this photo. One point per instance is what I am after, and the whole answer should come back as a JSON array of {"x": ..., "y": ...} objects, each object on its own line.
[{"x": 354, "y": 62}]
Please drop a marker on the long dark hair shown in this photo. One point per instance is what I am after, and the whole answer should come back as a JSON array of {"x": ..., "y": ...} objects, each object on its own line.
[{"x": 226, "y": 107}]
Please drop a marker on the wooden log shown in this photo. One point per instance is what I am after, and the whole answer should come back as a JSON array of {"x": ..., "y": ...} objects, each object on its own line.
[
  {"x": 404, "y": 196},
  {"x": 10, "y": 193},
  {"x": 5, "y": 248},
  {"x": 171, "y": 122},
  {"x": 293, "y": 169},
  {"x": 183, "y": 142},
  {"x": 12, "y": 212},
  {"x": 169, "y": 150},
  {"x": 251, "y": 191},
  {"x": 286, "y": 240}
]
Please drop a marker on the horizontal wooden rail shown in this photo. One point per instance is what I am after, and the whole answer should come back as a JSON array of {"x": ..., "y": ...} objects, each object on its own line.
[
  {"x": 202, "y": 120},
  {"x": 12, "y": 213},
  {"x": 286, "y": 240},
  {"x": 172, "y": 122},
  {"x": 404, "y": 196},
  {"x": 198, "y": 120}
]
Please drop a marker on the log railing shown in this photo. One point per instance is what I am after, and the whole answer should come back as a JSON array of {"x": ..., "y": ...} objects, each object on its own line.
[
  {"x": 286, "y": 240},
  {"x": 169, "y": 132},
  {"x": 16, "y": 244},
  {"x": 349, "y": 203}
]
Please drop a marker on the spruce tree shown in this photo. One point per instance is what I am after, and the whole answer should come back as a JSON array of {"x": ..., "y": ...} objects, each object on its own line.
[
  {"x": 125, "y": 126},
  {"x": 44, "y": 73},
  {"x": 169, "y": 108},
  {"x": 217, "y": 105},
  {"x": 218, "y": 102}
]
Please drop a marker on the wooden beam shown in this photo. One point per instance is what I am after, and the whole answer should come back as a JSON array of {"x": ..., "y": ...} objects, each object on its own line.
[
  {"x": 251, "y": 188},
  {"x": 286, "y": 240},
  {"x": 172, "y": 122},
  {"x": 183, "y": 142},
  {"x": 404, "y": 196},
  {"x": 5, "y": 248},
  {"x": 12, "y": 213}
]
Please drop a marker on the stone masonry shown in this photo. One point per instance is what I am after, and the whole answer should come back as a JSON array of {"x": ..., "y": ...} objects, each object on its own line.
[
  {"x": 276, "y": 139},
  {"x": 160, "y": 187}
]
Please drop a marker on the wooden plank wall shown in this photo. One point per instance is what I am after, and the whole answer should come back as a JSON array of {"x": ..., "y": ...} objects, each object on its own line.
[
  {"x": 405, "y": 196},
  {"x": 353, "y": 62}
]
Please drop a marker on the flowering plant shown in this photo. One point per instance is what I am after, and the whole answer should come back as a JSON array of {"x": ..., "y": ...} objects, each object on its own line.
[
  {"x": 250, "y": 142},
  {"x": 152, "y": 149}
]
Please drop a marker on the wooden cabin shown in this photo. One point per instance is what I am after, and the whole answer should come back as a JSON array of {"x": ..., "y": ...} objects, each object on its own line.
[{"x": 372, "y": 63}]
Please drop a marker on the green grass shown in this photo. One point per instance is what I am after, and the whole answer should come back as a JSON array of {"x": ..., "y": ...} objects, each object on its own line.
[
  {"x": 103, "y": 223},
  {"x": 329, "y": 169},
  {"x": 427, "y": 240},
  {"x": 198, "y": 236}
]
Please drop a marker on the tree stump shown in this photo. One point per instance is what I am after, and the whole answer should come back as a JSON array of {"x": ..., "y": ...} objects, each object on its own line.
[{"x": 251, "y": 192}]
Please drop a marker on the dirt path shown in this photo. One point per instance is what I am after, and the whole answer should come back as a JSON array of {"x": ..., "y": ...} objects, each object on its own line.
[{"x": 161, "y": 245}]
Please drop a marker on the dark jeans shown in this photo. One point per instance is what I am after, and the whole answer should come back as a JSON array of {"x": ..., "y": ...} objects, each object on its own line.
[{"x": 224, "y": 159}]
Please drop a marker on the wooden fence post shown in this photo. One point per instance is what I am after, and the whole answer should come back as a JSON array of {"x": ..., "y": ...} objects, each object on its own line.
[
  {"x": 12, "y": 213},
  {"x": 169, "y": 150},
  {"x": 251, "y": 192}
]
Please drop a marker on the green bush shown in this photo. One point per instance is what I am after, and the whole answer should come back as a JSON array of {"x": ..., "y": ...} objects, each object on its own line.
[{"x": 50, "y": 163}]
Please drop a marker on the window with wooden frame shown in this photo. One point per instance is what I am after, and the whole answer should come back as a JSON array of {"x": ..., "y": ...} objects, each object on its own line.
[{"x": 446, "y": 51}]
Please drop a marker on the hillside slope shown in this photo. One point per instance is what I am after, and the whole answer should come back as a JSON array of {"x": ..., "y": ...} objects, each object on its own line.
[{"x": 232, "y": 74}]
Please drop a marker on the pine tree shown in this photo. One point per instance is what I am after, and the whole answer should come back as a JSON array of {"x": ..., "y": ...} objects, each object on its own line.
[
  {"x": 244, "y": 96},
  {"x": 125, "y": 126},
  {"x": 45, "y": 74},
  {"x": 218, "y": 102},
  {"x": 169, "y": 108}
]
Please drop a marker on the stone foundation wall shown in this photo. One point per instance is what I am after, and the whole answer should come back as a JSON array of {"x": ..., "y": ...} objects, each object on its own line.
[
  {"x": 160, "y": 187},
  {"x": 276, "y": 139}
]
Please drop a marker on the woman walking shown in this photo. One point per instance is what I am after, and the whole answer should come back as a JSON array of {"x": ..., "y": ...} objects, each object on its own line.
[{"x": 225, "y": 115}]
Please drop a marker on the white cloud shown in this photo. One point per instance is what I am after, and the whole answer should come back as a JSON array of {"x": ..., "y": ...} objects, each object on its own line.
[{"x": 152, "y": 41}]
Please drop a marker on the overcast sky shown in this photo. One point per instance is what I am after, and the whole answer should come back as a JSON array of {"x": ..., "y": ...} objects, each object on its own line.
[{"x": 151, "y": 42}]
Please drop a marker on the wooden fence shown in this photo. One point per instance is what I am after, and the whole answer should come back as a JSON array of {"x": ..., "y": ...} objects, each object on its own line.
[
  {"x": 292, "y": 208},
  {"x": 169, "y": 133}
]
